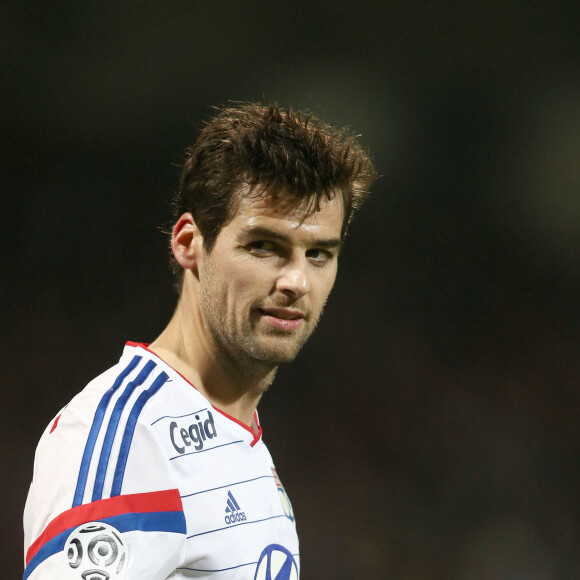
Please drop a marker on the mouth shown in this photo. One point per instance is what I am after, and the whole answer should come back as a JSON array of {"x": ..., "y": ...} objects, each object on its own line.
[{"x": 286, "y": 319}]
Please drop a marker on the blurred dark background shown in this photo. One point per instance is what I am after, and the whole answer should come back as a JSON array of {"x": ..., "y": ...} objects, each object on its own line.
[{"x": 430, "y": 428}]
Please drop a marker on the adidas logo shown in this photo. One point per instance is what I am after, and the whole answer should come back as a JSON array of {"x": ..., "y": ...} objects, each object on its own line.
[{"x": 234, "y": 514}]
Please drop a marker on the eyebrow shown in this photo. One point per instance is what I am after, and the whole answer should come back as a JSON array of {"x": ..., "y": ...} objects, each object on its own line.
[{"x": 261, "y": 231}]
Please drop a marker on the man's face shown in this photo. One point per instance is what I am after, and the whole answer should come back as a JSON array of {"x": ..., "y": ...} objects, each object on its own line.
[{"x": 265, "y": 282}]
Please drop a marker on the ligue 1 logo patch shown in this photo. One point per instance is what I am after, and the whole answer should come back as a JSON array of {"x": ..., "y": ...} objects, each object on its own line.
[
  {"x": 276, "y": 563},
  {"x": 94, "y": 551},
  {"x": 284, "y": 499}
]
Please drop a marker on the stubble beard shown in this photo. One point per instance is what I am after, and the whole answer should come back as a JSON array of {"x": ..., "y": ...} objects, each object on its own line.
[{"x": 250, "y": 343}]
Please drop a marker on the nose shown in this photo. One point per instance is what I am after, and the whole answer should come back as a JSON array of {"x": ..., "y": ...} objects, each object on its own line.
[{"x": 293, "y": 279}]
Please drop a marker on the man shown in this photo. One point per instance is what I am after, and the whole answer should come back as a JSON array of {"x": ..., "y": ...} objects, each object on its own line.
[{"x": 157, "y": 469}]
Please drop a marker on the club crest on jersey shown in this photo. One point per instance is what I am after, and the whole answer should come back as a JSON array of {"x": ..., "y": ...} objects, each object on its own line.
[
  {"x": 284, "y": 499},
  {"x": 94, "y": 551},
  {"x": 195, "y": 434},
  {"x": 276, "y": 563}
]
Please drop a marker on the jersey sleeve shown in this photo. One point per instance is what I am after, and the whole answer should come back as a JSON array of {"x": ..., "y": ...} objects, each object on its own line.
[{"x": 103, "y": 503}]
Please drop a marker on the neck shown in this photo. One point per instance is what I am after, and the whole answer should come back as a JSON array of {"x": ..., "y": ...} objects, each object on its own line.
[{"x": 232, "y": 385}]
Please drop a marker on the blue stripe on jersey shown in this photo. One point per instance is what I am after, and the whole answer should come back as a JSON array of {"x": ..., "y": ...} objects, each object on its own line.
[
  {"x": 146, "y": 522},
  {"x": 221, "y": 570},
  {"x": 228, "y": 485},
  {"x": 226, "y": 569},
  {"x": 178, "y": 416},
  {"x": 112, "y": 428},
  {"x": 94, "y": 432},
  {"x": 236, "y": 525},
  {"x": 204, "y": 450},
  {"x": 130, "y": 429}
]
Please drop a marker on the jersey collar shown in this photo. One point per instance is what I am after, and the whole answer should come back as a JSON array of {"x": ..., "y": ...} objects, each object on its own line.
[{"x": 255, "y": 429}]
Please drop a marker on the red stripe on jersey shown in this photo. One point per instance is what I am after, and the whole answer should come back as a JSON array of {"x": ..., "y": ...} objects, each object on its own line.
[
  {"x": 156, "y": 501},
  {"x": 56, "y": 420},
  {"x": 55, "y": 423}
]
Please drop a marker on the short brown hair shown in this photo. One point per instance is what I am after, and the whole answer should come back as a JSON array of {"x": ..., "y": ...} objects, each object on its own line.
[{"x": 289, "y": 152}]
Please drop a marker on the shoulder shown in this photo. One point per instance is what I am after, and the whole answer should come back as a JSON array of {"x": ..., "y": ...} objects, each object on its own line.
[
  {"x": 83, "y": 454},
  {"x": 112, "y": 401},
  {"x": 99, "y": 460}
]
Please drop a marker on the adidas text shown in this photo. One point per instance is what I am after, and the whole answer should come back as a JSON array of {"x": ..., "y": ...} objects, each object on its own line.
[{"x": 235, "y": 517}]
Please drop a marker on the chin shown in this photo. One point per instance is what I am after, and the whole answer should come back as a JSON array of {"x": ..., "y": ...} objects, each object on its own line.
[
  {"x": 274, "y": 358},
  {"x": 275, "y": 354}
]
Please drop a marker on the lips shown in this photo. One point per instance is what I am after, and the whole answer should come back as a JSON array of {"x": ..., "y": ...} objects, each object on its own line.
[{"x": 286, "y": 319}]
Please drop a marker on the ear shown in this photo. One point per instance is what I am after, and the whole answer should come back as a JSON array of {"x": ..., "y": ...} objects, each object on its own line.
[{"x": 186, "y": 242}]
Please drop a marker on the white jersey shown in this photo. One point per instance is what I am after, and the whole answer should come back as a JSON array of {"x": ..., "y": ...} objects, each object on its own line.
[{"x": 140, "y": 477}]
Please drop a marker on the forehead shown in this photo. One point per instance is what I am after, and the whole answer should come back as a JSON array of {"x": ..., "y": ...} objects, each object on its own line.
[{"x": 286, "y": 213}]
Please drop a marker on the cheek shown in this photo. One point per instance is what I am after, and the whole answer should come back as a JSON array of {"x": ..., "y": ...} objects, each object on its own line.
[
  {"x": 240, "y": 287},
  {"x": 251, "y": 277},
  {"x": 324, "y": 285}
]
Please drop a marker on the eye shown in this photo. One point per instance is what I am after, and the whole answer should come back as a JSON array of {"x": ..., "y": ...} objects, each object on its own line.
[
  {"x": 319, "y": 257},
  {"x": 262, "y": 248}
]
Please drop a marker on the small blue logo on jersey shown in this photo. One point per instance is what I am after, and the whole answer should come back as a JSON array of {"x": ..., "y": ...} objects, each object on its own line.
[
  {"x": 276, "y": 563},
  {"x": 202, "y": 429},
  {"x": 234, "y": 513}
]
